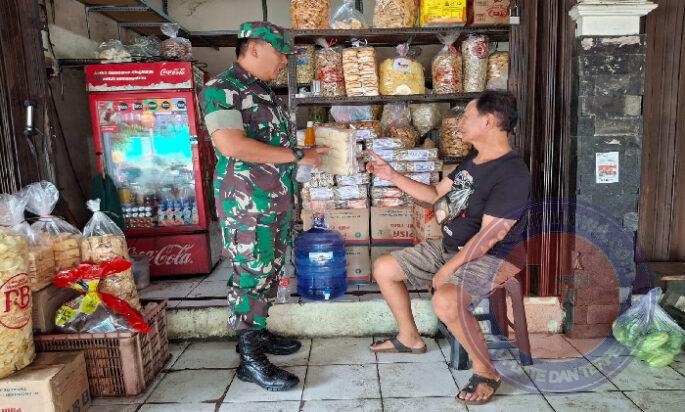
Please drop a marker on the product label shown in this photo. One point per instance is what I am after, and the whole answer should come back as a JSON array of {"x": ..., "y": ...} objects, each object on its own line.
[
  {"x": 320, "y": 258},
  {"x": 401, "y": 64},
  {"x": 442, "y": 9},
  {"x": 15, "y": 302}
]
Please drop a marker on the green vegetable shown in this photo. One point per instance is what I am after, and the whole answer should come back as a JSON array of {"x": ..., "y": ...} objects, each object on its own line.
[
  {"x": 661, "y": 360},
  {"x": 676, "y": 341},
  {"x": 653, "y": 341}
]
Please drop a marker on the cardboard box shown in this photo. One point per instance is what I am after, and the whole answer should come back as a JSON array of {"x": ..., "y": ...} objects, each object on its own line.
[
  {"x": 378, "y": 251},
  {"x": 489, "y": 12},
  {"x": 358, "y": 260},
  {"x": 353, "y": 224},
  {"x": 392, "y": 225},
  {"x": 45, "y": 303},
  {"x": 54, "y": 382},
  {"x": 425, "y": 225}
]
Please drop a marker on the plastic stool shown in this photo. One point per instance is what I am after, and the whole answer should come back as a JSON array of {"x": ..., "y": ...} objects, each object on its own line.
[{"x": 499, "y": 326}]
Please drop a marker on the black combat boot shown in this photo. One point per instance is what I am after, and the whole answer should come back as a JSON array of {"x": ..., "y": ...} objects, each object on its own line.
[
  {"x": 276, "y": 345},
  {"x": 256, "y": 368}
]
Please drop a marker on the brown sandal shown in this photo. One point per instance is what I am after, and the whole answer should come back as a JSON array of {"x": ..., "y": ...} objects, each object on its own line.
[
  {"x": 473, "y": 384},
  {"x": 398, "y": 347}
]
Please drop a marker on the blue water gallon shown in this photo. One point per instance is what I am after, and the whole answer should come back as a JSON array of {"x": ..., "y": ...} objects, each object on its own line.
[{"x": 320, "y": 262}]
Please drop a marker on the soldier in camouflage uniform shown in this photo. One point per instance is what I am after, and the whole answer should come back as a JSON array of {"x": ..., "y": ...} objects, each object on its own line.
[{"x": 253, "y": 188}]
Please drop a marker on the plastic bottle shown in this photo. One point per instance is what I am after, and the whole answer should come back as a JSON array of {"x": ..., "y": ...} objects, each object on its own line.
[
  {"x": 320, "y": 262},
  {"x": 310, "y": 136},
  {"x": 283, "y": 292}
]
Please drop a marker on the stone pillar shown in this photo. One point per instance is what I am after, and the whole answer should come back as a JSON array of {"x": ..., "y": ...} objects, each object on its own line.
[{"x": 609, "y": 67}]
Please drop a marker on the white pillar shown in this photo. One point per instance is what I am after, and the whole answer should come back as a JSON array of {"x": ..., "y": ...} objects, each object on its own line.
[{"x": 609, "y": 17}]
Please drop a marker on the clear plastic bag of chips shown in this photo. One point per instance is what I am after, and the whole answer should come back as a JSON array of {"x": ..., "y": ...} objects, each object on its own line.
[{"x": 65, "y": 240}]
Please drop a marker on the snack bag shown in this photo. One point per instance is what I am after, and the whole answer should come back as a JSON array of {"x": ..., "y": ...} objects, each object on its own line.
[
  {"x": 475, "y": 51},
  {"x": 498, "y": 71},
  {"x": 328, "y": 70},
  {"x": 96, "y": 311},
  {"x": 393, "y": 14},
  {"x": 346, "y": 17},
  {"x": 648, "y": 331},
  {"x": 309, "y": 14},
  {"x": 175, "y": 47},
  {"x": 402, "y": 75},
  {"x": 64, "y": 238},
  {"x": 103, "y": 241},
  {"x": 446, "y": 66},
  {"x": 41, "y": 259},
  {"x": 16, "y": 328},
  {"x": 425, "y": 117}
]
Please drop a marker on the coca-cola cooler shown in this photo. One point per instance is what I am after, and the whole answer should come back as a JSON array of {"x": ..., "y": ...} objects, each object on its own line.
[{"x": 150, "y": 141}]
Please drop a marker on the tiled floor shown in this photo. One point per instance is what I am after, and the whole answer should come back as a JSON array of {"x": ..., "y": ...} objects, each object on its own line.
[{"x": 342, "y": 375}]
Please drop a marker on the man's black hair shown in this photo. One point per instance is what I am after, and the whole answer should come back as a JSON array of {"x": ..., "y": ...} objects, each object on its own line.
[
  {"x": 501, "y": 104},
  {"x": 241, "y": 47}
]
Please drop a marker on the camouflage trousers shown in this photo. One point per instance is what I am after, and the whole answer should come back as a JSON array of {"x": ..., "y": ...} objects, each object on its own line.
[{"x": 255, "y": 244}]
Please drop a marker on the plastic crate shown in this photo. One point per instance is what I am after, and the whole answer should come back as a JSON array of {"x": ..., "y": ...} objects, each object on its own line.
[{"x": 118, "y": 364}]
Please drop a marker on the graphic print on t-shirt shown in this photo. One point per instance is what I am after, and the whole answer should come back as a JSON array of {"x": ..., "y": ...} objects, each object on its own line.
[{"x": 462, "y": 189}]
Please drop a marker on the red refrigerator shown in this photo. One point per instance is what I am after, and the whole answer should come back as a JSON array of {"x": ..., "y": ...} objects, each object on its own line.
[{"x": 149, "y": 140}]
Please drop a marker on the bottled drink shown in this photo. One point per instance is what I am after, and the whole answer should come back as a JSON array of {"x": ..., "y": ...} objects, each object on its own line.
[
  {"x": 310, "y": 136},
  {"x": 320, "y": 262}
]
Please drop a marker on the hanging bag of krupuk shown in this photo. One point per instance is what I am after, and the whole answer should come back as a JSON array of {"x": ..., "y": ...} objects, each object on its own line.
[
  {"x": 103, "y": 241},
  {"x": 402, "y": 75},
  {"x": 95, "y": 311},
  {"x": 64, "y": 238},
  {"x": 446, "y": 66},
  {"x": 436, "y": 13},
  {"x": 329, "y": 72},
  {"x": 359, "y": 70},
  {"x": 178, "y": 48},
  {"x": 41, "y": 259},
  {"x": 346, "y": 17},
  {"x": 648, "y": 331},
  {"x": 475, "y": 50},
  {"x": 16, "y": 328},
  {"x": 498, "y": 71}
]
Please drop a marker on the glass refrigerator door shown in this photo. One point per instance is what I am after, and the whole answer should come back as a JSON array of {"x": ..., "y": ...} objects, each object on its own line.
[{"x": 148, "y": 152}]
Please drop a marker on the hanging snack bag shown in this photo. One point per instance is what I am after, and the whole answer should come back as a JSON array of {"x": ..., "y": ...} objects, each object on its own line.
[
  {"x": 102, "y": 242},
  {"x": 309, "y": 14},
  {"x": 359, "y": 69},
  {"x": 64, "y": 238},
  {"x": 498, "y": 71},
  {"x": 402, "y": 75},
  {"x": 451, "y": 142},
  {"x": 446, "y": 67},
  {"x": 329, "y": 71},
  {"x": 442, "y": 13},
  {"x": 475, "y": 50},
  {"x": 305, "y": 64},
  {"x": 41, "y": 259},
  {"x": 395, "y": 14},
  {"x": 425, "y": 117},
  {"x": 96, "y": 311},
  {"x": 346, "y": 17},
  {"x": 175, "y": 47},
  {"x": 16, "y": 328}
]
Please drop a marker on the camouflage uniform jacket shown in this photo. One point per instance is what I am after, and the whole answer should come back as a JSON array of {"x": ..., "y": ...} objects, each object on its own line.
[{"x": 237, "y": 100}]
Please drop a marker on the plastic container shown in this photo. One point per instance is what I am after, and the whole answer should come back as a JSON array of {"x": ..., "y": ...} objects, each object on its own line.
[
  {"x": 141, "y": 271},
  {"x": 118, "y": 364},
  {"x": 320, "y": 262}
]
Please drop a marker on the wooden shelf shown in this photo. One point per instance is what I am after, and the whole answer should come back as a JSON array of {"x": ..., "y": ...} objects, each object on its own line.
[{"x": 418, "y": 98}]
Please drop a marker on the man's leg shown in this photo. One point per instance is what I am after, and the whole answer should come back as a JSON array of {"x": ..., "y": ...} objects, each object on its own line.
[
  {"x": 390, "y": 278},
  {"x": 451, "y": 304}
]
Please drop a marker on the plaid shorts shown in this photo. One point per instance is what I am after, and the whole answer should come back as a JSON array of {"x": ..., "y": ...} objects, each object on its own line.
[{"x": 420, "y": 263}]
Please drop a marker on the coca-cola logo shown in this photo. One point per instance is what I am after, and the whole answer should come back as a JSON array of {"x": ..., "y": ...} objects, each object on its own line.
[
  {"x": 178, "y": 71},
  {"x": 15, "y": 302},
  {"x": 170, "y": 255}
]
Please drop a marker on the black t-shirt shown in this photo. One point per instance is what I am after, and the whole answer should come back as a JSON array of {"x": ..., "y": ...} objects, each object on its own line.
[{"x": 498, "y": 188}]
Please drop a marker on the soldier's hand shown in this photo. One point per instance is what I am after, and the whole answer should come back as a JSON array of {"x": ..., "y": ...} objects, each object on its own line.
[
  {"x": 313, "y": 156},
  {"x": 380, "y": 167}
]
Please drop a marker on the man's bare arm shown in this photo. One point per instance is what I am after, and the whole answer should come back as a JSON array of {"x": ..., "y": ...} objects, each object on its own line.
[{"x": 234, "y": 143}]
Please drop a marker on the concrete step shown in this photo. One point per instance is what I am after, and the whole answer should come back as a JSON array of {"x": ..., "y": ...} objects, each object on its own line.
[{"x": 362, "y": 315}]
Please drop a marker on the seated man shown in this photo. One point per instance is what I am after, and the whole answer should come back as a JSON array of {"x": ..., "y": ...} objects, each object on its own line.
[{"x": 485, "y": 196}]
